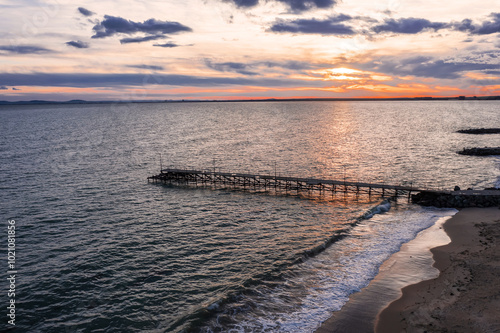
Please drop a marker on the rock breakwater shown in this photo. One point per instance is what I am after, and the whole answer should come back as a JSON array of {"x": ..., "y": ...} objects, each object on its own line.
[
  {"x": 458, "y": 199},
  {"x": 486, "y": 151}
]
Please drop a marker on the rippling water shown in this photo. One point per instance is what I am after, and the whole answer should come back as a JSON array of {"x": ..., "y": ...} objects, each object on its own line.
[{"x": 100, "y": 249}]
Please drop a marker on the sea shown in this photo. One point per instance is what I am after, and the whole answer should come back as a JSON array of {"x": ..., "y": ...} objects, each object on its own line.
[{"x": 99, "y": 249}]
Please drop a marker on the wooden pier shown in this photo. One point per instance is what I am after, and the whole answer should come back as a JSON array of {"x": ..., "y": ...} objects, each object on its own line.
[{"x": 278, "y": 183}]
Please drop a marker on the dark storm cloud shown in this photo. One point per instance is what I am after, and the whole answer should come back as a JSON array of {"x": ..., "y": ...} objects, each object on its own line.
[
  {"x": 295, "y": 5},
  {"x": 490, "y": 26},
  {"x": 236, "y": 67},
  {"x": 409, "y": 25},
  {"x": 140, "y": 39},
  {"x": 330, "y": 26},
  {"x": 167, "y": 45},
  {"x": 112, "y": 25},
  {"x": 425, "y": 67},
  {"x": 24, "y": 49},
  {"x": 85, "y": 12},
  {"x": 81, "y": 80},
  {"x": 78, "y": 44},
  {"x": 153, "y": 67}
]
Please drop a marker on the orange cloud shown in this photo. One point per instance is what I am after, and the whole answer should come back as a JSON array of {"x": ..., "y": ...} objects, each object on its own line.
[{"x": 481, "y": 76}]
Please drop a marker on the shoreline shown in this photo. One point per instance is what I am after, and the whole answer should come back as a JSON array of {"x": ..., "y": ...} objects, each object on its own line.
[
  {"x": 460, "y": 293},
  {"x": 465, "y": 295},
  {"x": 360, "y": 312}
]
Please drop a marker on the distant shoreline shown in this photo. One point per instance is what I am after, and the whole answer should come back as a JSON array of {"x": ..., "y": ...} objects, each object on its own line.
[{"x": 76, "y": 102}]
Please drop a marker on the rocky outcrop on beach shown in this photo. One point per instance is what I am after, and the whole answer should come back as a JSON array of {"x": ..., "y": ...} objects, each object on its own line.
[
  {"x": 486, "y": 151},
  {"x": 480, "y": 131}
]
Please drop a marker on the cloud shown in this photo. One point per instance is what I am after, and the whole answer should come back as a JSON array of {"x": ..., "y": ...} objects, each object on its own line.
[
  {"x": 83, "y": 80},
  {"x": 303, "y": 5},
  {"x": 409, "y": 25},
  {"x": 85, "y": 12},
  {"x": 112, "y": 25},
  {"x": 485, "y": 28},
  {"x": 465, "y": 26},
  {"x": 140, "y": 39},
  {"x": 330, "y": 26},
  {"x": 294, "y": 5},
  {"x": 7, "y": 88},
  {"x": 293, "y": 65},
  {"x": 489, "y": 27},
  {"x": 169, "y": 44},
  {"x": 245, "y": 3},
  {"x": 336, "y": 25},
  {"x": 447, "y": 70},
  {"x": 153, "y": 67},
  {"x": 24, "y": 49},
  {"x": 425, "y": 67},
  {"x": 78, "y": 44},
  {"x": 267, "y": 67},
  {"x": 236, "y": 67}
]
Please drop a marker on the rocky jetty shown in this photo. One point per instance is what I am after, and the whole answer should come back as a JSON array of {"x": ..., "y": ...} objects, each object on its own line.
[
  {"x": 458, "y": 199},
  {"x": 486, "y": 151},
  {"x": 480, "y": 131}
]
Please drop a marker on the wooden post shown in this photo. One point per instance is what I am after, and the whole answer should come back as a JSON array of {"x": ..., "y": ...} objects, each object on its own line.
[{"x": 275, "y": 178}]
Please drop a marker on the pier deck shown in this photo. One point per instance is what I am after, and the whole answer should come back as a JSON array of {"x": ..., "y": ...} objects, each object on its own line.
[{"x": 281, "y": 183}]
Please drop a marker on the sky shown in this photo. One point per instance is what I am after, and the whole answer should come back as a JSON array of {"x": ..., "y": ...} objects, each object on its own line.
[{"x": 247, "y": 49}]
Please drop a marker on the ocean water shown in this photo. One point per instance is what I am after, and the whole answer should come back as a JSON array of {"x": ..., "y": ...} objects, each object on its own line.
[{"x": 98, "y": 249}]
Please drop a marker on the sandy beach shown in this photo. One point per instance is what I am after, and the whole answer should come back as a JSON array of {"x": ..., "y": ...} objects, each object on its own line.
[
  {"x": 410, "y": 265},
  {"x": 445, "y": 280},
  {"x": 465, "y": 297}
]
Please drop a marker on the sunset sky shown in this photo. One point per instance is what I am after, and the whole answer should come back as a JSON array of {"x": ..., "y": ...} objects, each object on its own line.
[{"x": 226, "y": 49}]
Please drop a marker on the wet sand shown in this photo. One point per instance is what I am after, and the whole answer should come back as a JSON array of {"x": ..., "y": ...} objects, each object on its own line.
[
  {"x": 412, "y": 264},
  {"x": 465, "y": 297}
]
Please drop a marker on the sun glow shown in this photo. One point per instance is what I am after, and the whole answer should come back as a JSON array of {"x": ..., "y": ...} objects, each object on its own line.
[
  {"x": 348, "y": 74},
  {"x": 341, "y": 74}
]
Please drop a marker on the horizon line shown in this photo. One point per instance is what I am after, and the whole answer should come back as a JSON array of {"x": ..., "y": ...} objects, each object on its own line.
[{"x": 249, "y": 99}]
